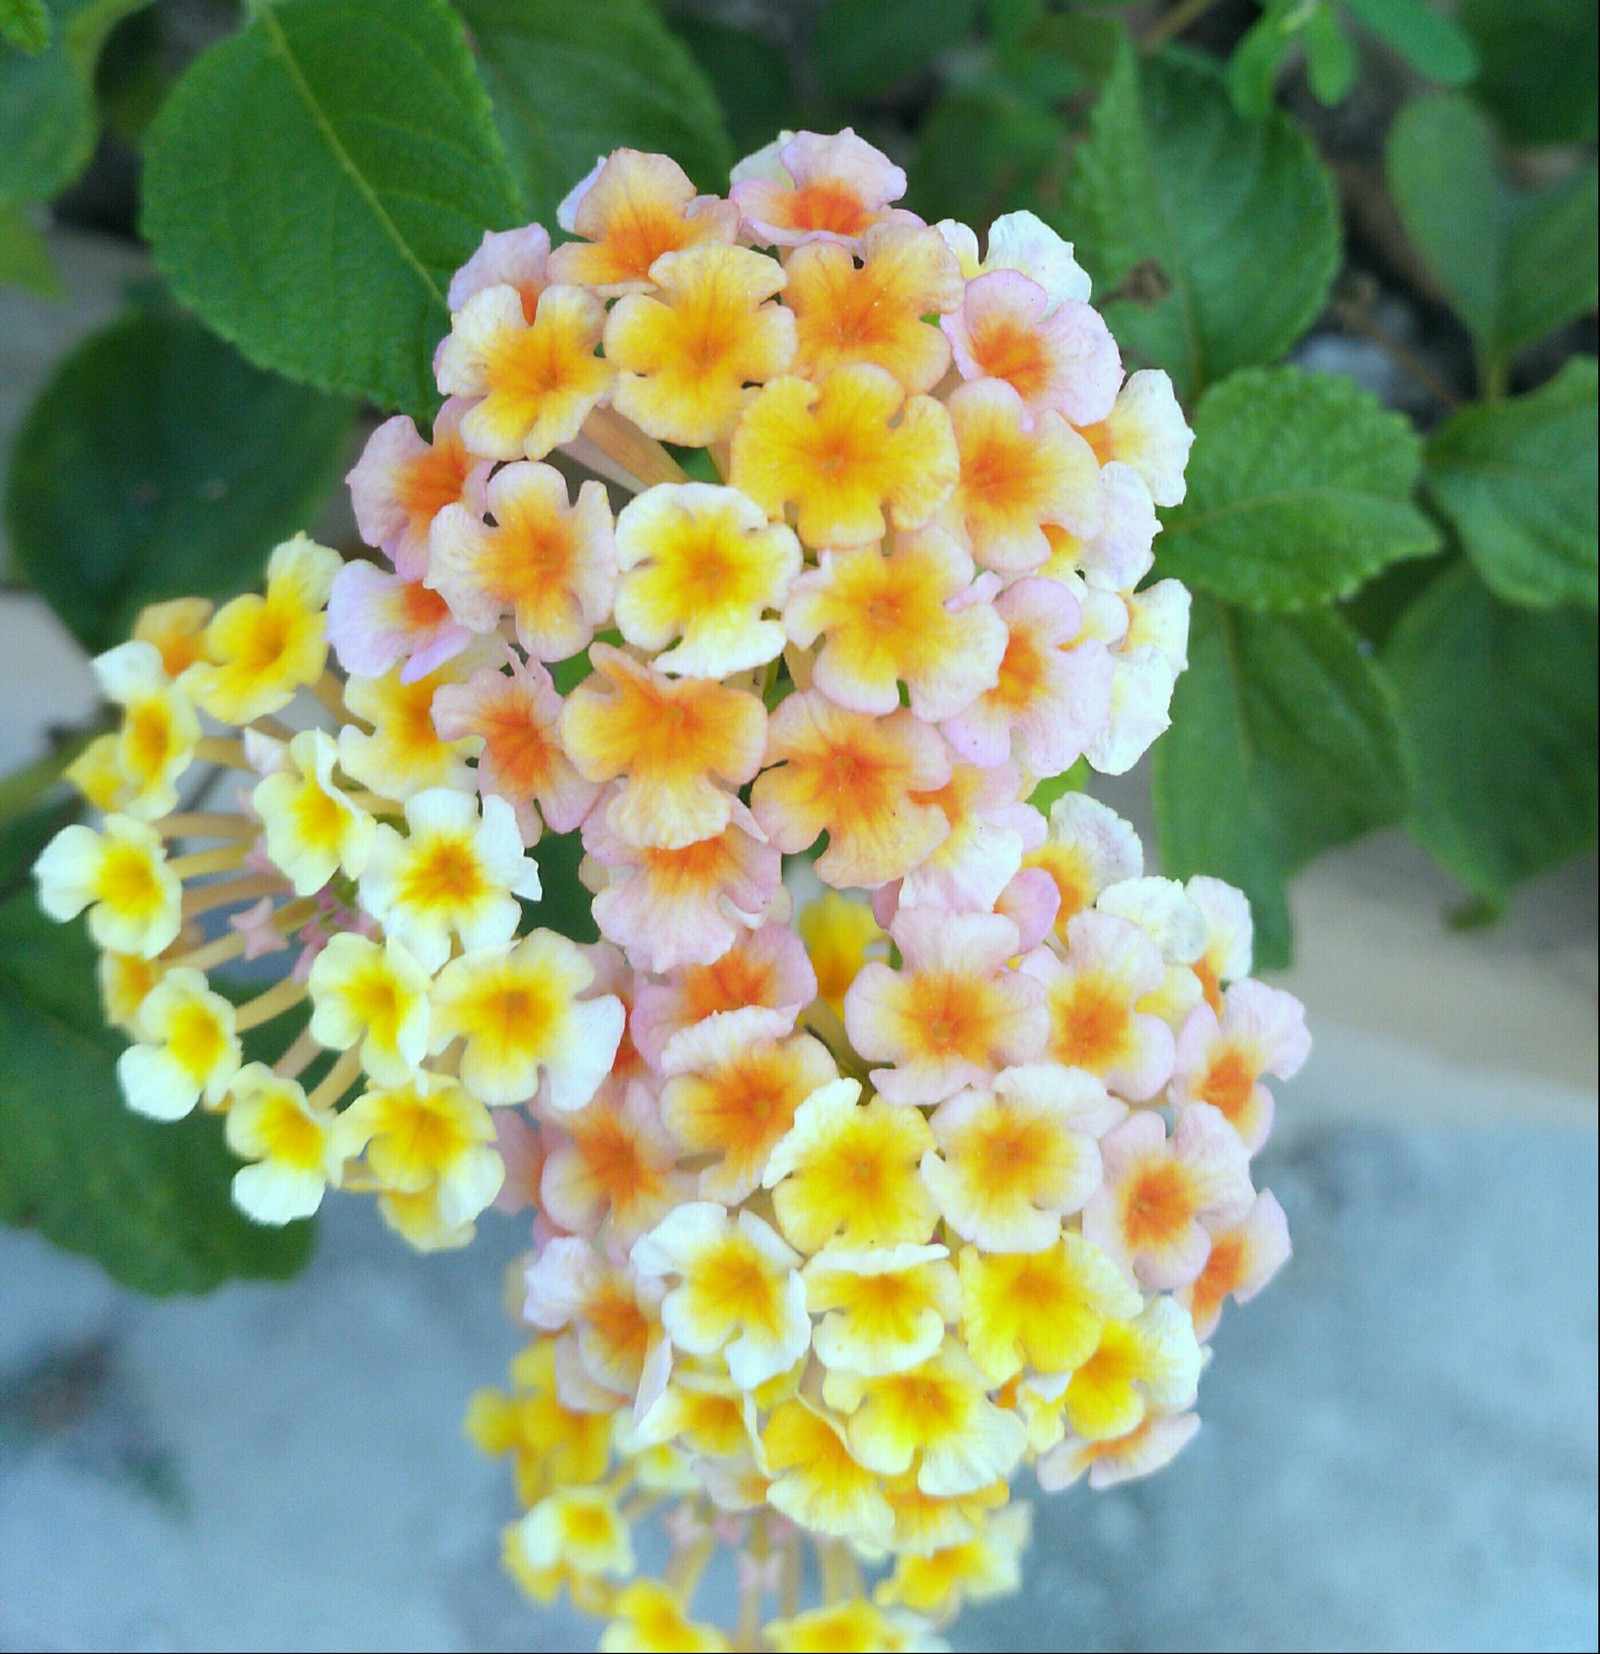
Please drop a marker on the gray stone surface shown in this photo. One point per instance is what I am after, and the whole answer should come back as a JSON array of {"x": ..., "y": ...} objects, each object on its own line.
[{"x": 1399, "y": 1449}]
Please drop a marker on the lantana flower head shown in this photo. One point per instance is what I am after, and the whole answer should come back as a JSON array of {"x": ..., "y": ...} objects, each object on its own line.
[{"x": 892, "y": 1144}]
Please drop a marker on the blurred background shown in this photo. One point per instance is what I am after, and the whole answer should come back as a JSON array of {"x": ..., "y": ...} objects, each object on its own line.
[{"x": 1360, "y": 235}]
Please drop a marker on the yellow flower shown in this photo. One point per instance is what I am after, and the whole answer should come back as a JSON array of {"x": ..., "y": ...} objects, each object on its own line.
[
  {"x": 883, "y": 1309},
  {"x": 817, "y": 1480},
  {"x": 260, "y": 651},
  {"x": 840, "y": 936},
  {"x": 159, "y": 733},
  {"x": 653, "y": 1619},
  {"x": 120, "y": 874},
  {"x": 125, "y": 983},
  {"x": 297, "y": 1150},
  {"x": 986, "y": 1566},
  {"x": 313, "y": 830},
  {"x": 579, "y": 1528},
  {"x": 1151, "y": 1361},
  {"x": 374, "y": 993},
  {"x": 187, "y": 1048},
  {"x": 850, "y": 1628},
  {"x": 705, "y": 1413},
  {"x": 403, "y": 753},
  {"x": 550, "y": 1445},
  {"x": 517, "y": 1008},
  {"x": 177, "y": 628}
]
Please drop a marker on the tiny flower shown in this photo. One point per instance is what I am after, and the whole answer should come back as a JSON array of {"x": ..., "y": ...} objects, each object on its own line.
[
  {"x": 378, "y": 620},
  {"x": 260, "y": 651},
  {"x": 514, "y": 713},
  {"x": 531, "y": 385},
  {"x": 1020, "y": 241},
  {"x": 1220, "y": 1061},
  {"x": 453, "y": 875},
  {"x": 1148, "y": 1447},
  {"x": 851, "y": 452},
  {"x": 651, "y": 1618},
  {"x": 159, "y": 733},
  {"x": 1092, "y": 998},
  {"x": 120, "y": 874},
  {"x": 986, "y": 1566},
  {"x": 953, "y": 1014},
  {"x": 516, "y": 1006},
  {"x": 1142, "y": 680},
  {"x": 1148, "y": 1364},
  {"x": 989, "y": 831},
  {"x": 403, "y": 753},
  {"x": 1158, "y": 617},
  {"x": 1059, "y": 357},
  {"x": 818, "y": 1482},
  {"x": 937, "y": 1416},
  {"x": 97, "y": 773},
  {"x": 177, "y": 629},
  {"x": 549, "y": 564},
  {"x": 851, "y": 776},
  {"x": 296, "y": 1149},
  {"x": 125, "y": 981},
  {"x": 578, "y": 1528},
  {"x": 1088, "y": 847},
  {"x": 1160, "y": 1192},
  {"x": 401, "y": 483},
  {"x": 374, "y": 994},
  {"x": 1019, "y": 1157},
  {"x": 829, "y": 188},
  {"x": 1230, "y": 936},
  {"x": 1052, "y": 695},
  {"x": 669, "y": 741},
  {"x": 551, "y": 1445},
  {"x": 428, "y": 1137},
  {"x": 1118, "y": 556},
  {"x": 875, "y": 311},
  {"x": 847, "y": 1171},
  {"x": 611, "y": 1310},
  {"x": 187, "y": 1049},
  {"x": 733, "y": 1085},
  {"x": 510, "y": 258},
  {"x": 685, "y": 354},
  {"x": 738, "y": 1294},
  {"x": 630, "y": 210},
  {"x": 1244, "y": 1257},
  {"x": 702, "y": 567},
  {"x": 1146, "y": 429},
  {"x": 840, "y": 935},
  {"x": 851, "y": 1625},
  {"x": 705, "y": 1412},
  {"x": 883, "y": 1309},
  {"x": 1041, "y": 1309},
  {"x": 612, "y": 1161},
  {"x": 900, "y": 618},
  {"x": 924, "y": 1523},
  {"x": 312, "y": 829}
]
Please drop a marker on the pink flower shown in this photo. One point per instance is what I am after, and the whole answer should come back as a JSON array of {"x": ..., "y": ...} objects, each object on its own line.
[{"x": 377, "y": 619}]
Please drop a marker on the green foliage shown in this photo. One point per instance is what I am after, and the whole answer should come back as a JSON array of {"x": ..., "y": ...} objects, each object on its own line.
[
  {"x": 25, "y": 24},
  {"x": 1498, "y": 708},
  {"x": 1212, "y": 238},
  {"x": 1299, "y": 489},
  {"x": 1428, "y": 40},
  {"x": 571, "y": 82},
  {"x": 982, "y": 151},
  {"x": 866, "y": 48},
  {"x": 314, "y": 180},
  {"x": 24, "y": 259},
  {"x": 1517, "y": 482},
  {"x": 564, "y": 903},
  {"x": 148, "y": 1201},
  {"x": 157, "y": 462},
  {"x": 751, "y": 79},
  {"x": 1283, "y": 744},
  {"x": 1540, "y": 62},
  {"x": 47, "y": 117},
  {"x": 1514, "y": 267}
]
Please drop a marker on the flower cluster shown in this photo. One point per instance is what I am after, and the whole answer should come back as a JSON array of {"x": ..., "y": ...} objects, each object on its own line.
[{"x": 895, "y": 1135}]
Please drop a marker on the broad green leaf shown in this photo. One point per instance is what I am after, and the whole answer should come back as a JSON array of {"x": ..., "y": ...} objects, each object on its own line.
[
  {"x": 1539, "y": 66},
  {"x": 572, "y": 82},
  {"x": 148, "y": 1201},
  {"x": 1428, "y": 40},
  {"x": 312, "y": 183},
  {"x": 1213, "y": 239},
  {"x": 24, "y": 258},
  {"x": 1299, "y": 489},
  {"x": 1498, "y": 708},
  {"x": 157, "y": 462},
  {"x": 982, "y": 151},
  {"x": 47, "y": 113},
  {"x": 1060, "y": 55},
  {"x": 1283, "y": 743},
  {"x": 1514, "y": 267},
  {"x": 1256, "y": 62},
  {"x": 863, "y": 49},
  {"x": 25, "y": 24},
  {"x": 1517, "y": 481},
  {"x": 750, "y": 76},
  {"x": 1331, "y": 61}
]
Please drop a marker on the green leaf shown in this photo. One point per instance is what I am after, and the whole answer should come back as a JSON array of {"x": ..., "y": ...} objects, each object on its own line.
[
  {"x": 864, "y": 49},
  {"x": 1517, "y": 481},
  {"x": 1331, "y": 61},
  {"x": 1299, "y": 489},
  {"x": 750, "y": 76},
  {"x": 1212, "y": 239},
  {"x": 24, "y": 258},
  {"x": 157, "y": 462},
  {"x": 982, "y": 151},
  {"x": 1258, "y": 59},
  {"x": 1059, "y": 56},
  {"x": 564, "y": 903},
  {"x": 149, "y": 1201},
  {"x": 312, "y": 183},
  {"x": 1514, "y": 267},
  {"x": 47, "y": 112},
  {"x": 1498, "y": 707},
  {"x": 1008, "y": 20},
  {"x": 1283, "y": 743},
  {"x": 25, "y": 24},
  {"x": 1539, "y": 66},
  {"x": 572, "y": 82},
  {"x": 1428, "y": 40}
]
